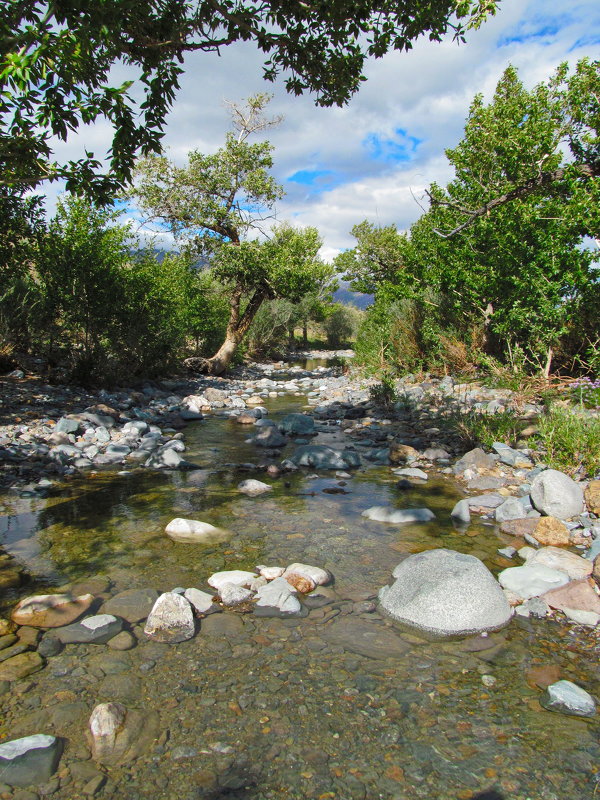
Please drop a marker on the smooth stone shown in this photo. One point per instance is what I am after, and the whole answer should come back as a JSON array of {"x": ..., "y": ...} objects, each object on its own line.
[
  {"x": 551, "y": 531},
  {"x": 122, "y": 641},
  {"x": 575, "y": 566},
  {"x": 238, "y": 577},
  {"x": 202, "y": 602},
  {"x": 398, "y": 516},
  {"x": 578, "y": 594},
  {"x": 510, "y": 509},
  {"x": 316, "y": 575},
  {"x": 276, "y": 599},
  {"x": 50, "y": 610},
  {"x": 20, "y": 666},
  {"x": 557, "y": 495},
  {"x": 366, "y": 638},
  {"x": 444, "y": 593},
  {"x": 171, "y": 619},
  {"x": 411, "y": 472},
  {"x": 119, "y": 734},
  {"x": 568, "y": 698},
  {"x": 253, "y": 488},
  {"x": 91, "y": 630},
  {"x": 269, "y": 436},
  {"x": 324, "y": 457},
  {"x": 588, "y": 618},
  {"x": 29, "y": 761},
  {"x": 270, "y": 573},
  {"x": 297, "y": 424},
  {"x": 132, "y": 605},
  {"x": 461, "y": 512},
  {"x": 486, "y": 501},
  {"x": 532, "y": 581},
  {"x": 195, "y": 531}
]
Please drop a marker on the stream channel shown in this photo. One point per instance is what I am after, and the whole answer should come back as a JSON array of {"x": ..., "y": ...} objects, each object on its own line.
[{"x": 315, "y": 708}]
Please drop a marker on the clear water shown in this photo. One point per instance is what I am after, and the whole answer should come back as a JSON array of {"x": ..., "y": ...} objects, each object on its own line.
[{"x": 288, "y": 709}]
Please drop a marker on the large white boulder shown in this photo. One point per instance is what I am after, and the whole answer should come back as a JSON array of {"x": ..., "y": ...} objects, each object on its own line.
[
  {"x": 444, "y": 593},
  {"x": 171, "y": 619},
  {"x": 195, "y": 531}
]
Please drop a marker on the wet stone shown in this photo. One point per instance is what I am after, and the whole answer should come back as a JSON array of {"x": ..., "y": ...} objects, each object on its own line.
[{"x": 365, "y": 638}]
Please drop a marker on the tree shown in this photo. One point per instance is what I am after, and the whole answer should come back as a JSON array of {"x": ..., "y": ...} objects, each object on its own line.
[
  {"x": 213, "y": 203},
  {"x": 378, "y": 258},
  {"x": 563, "y": 116},
  {"x": 56, "y": 61},
  {"x": 521, "y": 270}
]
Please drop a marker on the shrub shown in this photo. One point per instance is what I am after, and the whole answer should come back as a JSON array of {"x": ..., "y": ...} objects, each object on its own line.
[
  {"x": 384, "y": 393},
  {"x": 475, "y": 428},
  {"x": 571, "y": 440}
]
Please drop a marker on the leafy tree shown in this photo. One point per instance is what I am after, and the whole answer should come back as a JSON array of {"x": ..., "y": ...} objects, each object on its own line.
[
  {"x": 341, "y": 324},
  {"x": 378, "y": 258},
  {"x": 213, "y": 203},
  {"x": 56, "y": 61}
]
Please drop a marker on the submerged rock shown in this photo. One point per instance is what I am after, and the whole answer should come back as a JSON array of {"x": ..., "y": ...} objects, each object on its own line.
[
  {"x": 398, "y": 516},
  {"x": 297, "y": 425},
  {"x": 531, "y": 581},
  {"x": 253, "y": 488},
  {"x": 29, "y": 761},
  {"x": 91, "y": 630},
  {"x": 444, "y": 593},
  {"x": 195, "y": 531},
  {"x": 320, "y": 456}
]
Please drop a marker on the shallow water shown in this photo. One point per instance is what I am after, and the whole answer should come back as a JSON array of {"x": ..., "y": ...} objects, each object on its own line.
[{"x": 309, "y": 708}]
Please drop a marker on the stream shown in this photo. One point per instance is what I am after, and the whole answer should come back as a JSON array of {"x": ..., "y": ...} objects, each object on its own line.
[{"x": 312, "y": 708}]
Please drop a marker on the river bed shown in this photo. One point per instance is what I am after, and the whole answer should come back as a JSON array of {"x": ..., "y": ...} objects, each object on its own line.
[{"x": 305, "y": 709}]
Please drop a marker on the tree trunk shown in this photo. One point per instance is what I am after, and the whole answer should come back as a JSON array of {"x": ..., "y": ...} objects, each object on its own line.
[
  {"x": 237, "y": 327},
  {"x": 305, "y": 333}
]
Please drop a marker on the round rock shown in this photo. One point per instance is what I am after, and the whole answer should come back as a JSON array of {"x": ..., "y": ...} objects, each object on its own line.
[
  {"x": 555, "y": 494},
  {"x": 171, "y": 619},
  {"x": 444, "y": 593},
  {"x": 195, "y": 531}
]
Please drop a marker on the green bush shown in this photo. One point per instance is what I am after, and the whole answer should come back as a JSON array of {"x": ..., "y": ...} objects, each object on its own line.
[
  {"x": 571, "y": 440},
  {"x": 384, "y": 393},
  {"x": 341, "y": 324},
  {"x": 476, "y": 429}
]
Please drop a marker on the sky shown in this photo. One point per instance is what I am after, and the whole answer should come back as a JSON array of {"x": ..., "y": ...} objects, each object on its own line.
[{"x": 373, "y": 158}]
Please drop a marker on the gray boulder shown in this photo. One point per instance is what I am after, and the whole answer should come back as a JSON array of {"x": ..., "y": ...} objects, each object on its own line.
[
  {"x": 29, "y": 761},
  {"x": 171, "y": 619},
  {"x": 511, "y": 508},
  {"x": 444, "y": 593},
  {"x": 253, "y": 488},
  {"x": 461, "y": 512},
  {"x": 91, "y": 630},
  {"x": 132, "y": 605},
  {"x": 276, "y": 599},
  {"x": 269, "y": 436},
  {"x": 297, "y": 425},
  {"x": 556, "y": 495}
]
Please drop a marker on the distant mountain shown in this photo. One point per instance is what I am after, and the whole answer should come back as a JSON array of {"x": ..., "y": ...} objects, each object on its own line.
[{"x": 344, "y": 295}]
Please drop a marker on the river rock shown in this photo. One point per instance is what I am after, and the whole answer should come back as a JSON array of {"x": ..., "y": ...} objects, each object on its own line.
[
  {"x": 122, "y": 641},
  {"x": 411, "y": 472},
  {"x": 269, "y": 436},
  {"x": 196, "y": 532},
  {"x": 202, "y": 602},
  {"x": 511, "y": 457},
  {"x": 592, "y": 497},
  {"x": 165, "y": 459},
  {"x": 320, "y": 456},
  {"x": 171, "y": 619},
  {"x": 550, "y": 531},
  {"x": 486, "y": 502},
  {"x": 365, "y": 637},
  {"x": 270, "y": 573},
  {"x": 475, "y": 459},
  {"x": 588, "y": 618},
  {"x": 29, "y": 761},
  {"x": 20, "y": 666},
  {"x": 316, "y": 575},
  {"x": 253, "y": 488},
  {"x": 238, "y": 577},
  {"x": 533, "y": 581},
  {"x": 398, "y": 516},
  {"x": 297, "y": 425},
  {"x": 568, "y": 698},
  {"x": 555, "y": 494},
  {"x": 132, "y": 605},
  {"x": 579, "y": 595},
  {"x": 232, "y": 595},
  {"x": 50, "y": 610},
  {"x": 511, "y": 508},
  {"x": 106, "y": 722},
  {"x": 401, "y": 453},
  {"x": 519, "y": 527},
  {"x": 461, "y": 512},
  {"x": 445, "y": 593},
  {"x": 276, "y": 599},
  {"x": 556, "y": 558},
  {"x": 91, "y": 630}
]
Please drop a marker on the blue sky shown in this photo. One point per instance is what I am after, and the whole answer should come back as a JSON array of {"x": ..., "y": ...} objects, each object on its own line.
[{"x": 372, "y": 158}]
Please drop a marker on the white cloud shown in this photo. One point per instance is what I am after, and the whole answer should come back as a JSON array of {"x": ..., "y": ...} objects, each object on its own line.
[{"x": 425, "y": 92}]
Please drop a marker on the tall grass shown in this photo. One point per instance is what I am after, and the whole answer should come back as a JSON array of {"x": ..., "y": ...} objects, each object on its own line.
[{"x": 570, "y": 440}]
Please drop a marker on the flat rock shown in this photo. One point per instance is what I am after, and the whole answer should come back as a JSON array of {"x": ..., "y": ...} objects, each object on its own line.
[
  {"x": 486, "y": 501},
  {"x": 519, "y": 527},
  {"x": 533, "y": 581},
  {"x": 365, "y": 638},
  {"x": 171, "y": 619},
  {"x": 510, "y": 509},
  {"x": 195, "y": 532},
  {"x": 50, "y": 610},
  {"x": 444, "y": 593},
  {"x": 411, "y": 472},
  {"x": 238, "y": 577},
  {"x": 29, "y": 761},
  {"x": 132, "y": 605},
  {"x": 320, "y": 456},
  {"x": 575, "y": 566},
  {"x": 579, "y": 595},
  {"x": 551, "y": 531},
  {"x": 557, "y": 495},
  {"x": 91, "y": 630},
  {"x": 253, "y": 488},
  {"x": 20, "y": 666},
  {"x": 233, "y": 595},
  {"x": 475, "y": 459},
  {"x": 568, "y": 698},
  {"x": 398, "y": 516},
  {"x": 202, "y": 602}
]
